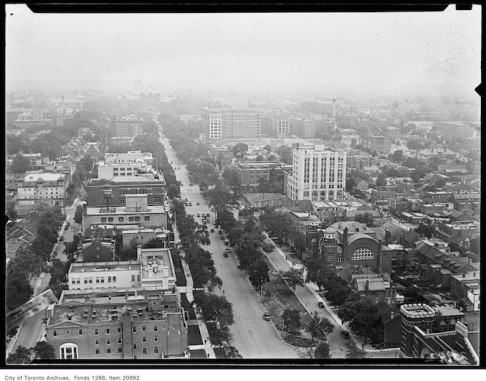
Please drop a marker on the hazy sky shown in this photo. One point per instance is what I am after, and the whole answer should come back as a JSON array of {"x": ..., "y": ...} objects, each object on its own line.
[{"x": 304, "y": 51}]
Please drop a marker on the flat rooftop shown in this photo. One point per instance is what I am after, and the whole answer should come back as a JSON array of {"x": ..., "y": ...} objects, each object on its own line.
[
  {"x": 97, "y": 308},
  {"x": 103, "y": 266},
  {"x": 153, "y": 209}
]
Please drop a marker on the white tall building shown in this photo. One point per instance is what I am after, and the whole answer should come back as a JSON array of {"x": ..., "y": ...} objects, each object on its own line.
[{"x": 319, "y": 173}]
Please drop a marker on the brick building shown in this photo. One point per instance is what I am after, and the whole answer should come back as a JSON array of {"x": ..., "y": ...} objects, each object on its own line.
[{"x": 117, "y": 325}]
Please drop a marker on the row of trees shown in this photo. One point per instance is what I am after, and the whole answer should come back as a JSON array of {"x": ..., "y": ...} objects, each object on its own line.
[{"x": 41, "y": 351}]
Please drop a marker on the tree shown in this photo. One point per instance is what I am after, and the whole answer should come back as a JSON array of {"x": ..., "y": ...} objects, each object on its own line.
[
  {"x": 286, "y": 154},
  {"x": 44, "y": 351},
  {"x": 18, "y": 290},
  {"x": 365, "y": 218},
  {"x": 397, "y": 156},
  {"x": 260, "y": 158},
  {"x": 47, "y": 233},
  {"x": 21, "y": 356},
  {"x": 362, "y": 314},
  {"x": 259, "y": 273},
  {"x": 425, "y": 230},
  {"x": 322, "y": 351},
  {"x": 78, "y": 214},
  {"x": 26, "y": 261},
  {"x": 173, "y": 190},
  {"x": 293, "y": 278},
  {"x": 11, "y": 211},
  {"x": 240, "y": 150},
  {"x": 291, "y": 320},
  {"x": 214, "y": 308},
  {"x": 42, "y": 248},
  {"x": 474, "y": 245},
  {"x": 226, "y": 220},
  {"x": 235, "y": 234},
  {"x": 86, "y": 162},
  {"x": 319, "y": 326},
  {"x": 230, "y": 352},
  {"x": 20, "y": 164},
  {"x": 381, "y": 180},
  {"x": 58, "y": 271},
  {"x": 231, "y": 177},
  {"x": 268, "y": 148}
]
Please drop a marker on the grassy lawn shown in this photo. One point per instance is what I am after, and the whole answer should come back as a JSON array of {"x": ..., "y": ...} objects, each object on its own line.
[{"x": 277, "y": 296}]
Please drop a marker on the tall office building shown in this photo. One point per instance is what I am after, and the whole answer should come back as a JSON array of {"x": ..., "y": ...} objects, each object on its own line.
[
  {"x": 232, "y": 123},
  {"x": 318, "y": 174}
]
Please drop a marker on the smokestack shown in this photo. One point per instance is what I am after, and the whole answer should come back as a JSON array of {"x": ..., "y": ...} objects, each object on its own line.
[
  {"x": 334, "y": 114},
  {"x": 139, "y": 252}
]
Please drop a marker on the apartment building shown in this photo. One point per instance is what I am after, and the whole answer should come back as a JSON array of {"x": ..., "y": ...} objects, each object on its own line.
[{"x": 40, "y": 186}]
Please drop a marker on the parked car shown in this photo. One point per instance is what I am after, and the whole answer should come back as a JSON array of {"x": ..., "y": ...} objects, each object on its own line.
[
  {"x": 345, "y": 334},
  {"x": 220, "y": 232},
  {"x": 212, "y": 230},
  {"x": 266, "y": 316},
  {"x": 320, "y": 304},
  {"x": 61, "y": 238},
  {"x": 198, "y": 215},
  {"x": 225, "y": 254},
  {"x": 190, "y": 204},
  {"x": 197, "y": 204}
]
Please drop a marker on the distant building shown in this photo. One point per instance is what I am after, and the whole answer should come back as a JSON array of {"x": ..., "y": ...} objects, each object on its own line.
[
  {"x": 117, "y": 325},
  {"x": 46, "y": 187},
  {"x": 319, "y": 173},
  {"x": 127, "y": 127},
  {"x": 250, "y": 172},
  {"x": 232, "y": 123},
  {"x": 451, "y": 130}
]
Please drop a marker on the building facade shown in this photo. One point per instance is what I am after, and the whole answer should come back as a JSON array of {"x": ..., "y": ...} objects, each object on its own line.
[
  {"x": 118, "y": 325},
  {"x": 232, "y": 123},
  {"x": 318, "y": 174},
  {"x": 47, "y": 187},
  {"x": 127, "y": 127}
]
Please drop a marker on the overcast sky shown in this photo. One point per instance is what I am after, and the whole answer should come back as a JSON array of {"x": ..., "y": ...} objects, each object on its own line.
[{"x": 293, "y": 51}]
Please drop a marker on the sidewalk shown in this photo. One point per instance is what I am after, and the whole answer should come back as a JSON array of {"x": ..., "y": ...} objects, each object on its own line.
[{"x": 202, "y": 326}]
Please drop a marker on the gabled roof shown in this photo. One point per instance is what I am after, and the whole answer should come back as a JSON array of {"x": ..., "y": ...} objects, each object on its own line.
[{"x": 447, "y": 260}]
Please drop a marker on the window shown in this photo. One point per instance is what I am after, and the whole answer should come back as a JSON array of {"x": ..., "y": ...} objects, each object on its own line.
[
  {"x": 156, "y": 199},
  {"x": 156, "y": 328},
  {"x": 144, "y": 351},
  {"x": 156, "y": 338},
  {"x": 97, "y": 279},
  {"x": 137, "y": 218},
  {"x": 97, "y": 351},
  {"x": 144, "y": 339},
  {"x": 73, "y": 281},
  {"x": 133, "y": 278},
  {"x": 156, "y": 350},
  {"x": 147, "y": 218},
  {"x": 119, "y": 341},
  {"x": 80, "y": 331},
  {"x": 97, "y": 342},
  {"x": 134, "y": 329},
  {"x": 85, "y": 280},
  {"x": 122, "y": 201},
  {"x": 54, "y": 333},
  {"x": 143, "y": 329},
  {"x": 90, "y": 280},
  {"x": 138, "y": 278},
  {"x": 108, "y": 341},
  {"x": 110, "y": 219},
  {"x": 102, "y": 279},
  {"x": 108, "y": 350},
  {"x": 121, "y": 219},
  {"x": 362, "y": 254},
  {"x": 103, "y": 219},
  {"x": 109, "y": 279},
  {"x": 96, "y": 331},
  {"x": 107, "y": 331},
  {"x": 119, "y": 330},
  {"x": 120, "y": 350},
  {"x": 130, "y": 218},
  {"x": 134, "y": 346}
]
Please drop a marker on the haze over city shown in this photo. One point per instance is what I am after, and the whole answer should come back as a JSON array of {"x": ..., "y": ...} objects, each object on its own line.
[
  {"x": 242, "y": 186},
  {"x": 249, "y": 52}
]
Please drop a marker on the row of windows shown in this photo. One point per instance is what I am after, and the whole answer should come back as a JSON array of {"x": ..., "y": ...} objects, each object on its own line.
[
  {"x": 87, "y": 280},
  {"x": 156, "y": 190},
  {"x": 121, "y": 219}
]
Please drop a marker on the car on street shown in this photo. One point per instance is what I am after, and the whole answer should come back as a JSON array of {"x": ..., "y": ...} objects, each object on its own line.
[
  {"x": 320, "y": 304},
  {"x": 345, "y": 334},
  {"x": 225, "y": 254},
  {"x": 61, "y": 238},
  {"x": 197, "y": 204},
  {"x": 266, "y": 316},
  {"x": 198, "y": 215},
  {"x": 212, "y": 230},
  {"x": 66, "y": 227},
  {"x": 226, "y": 242},
  {"x": 190, "y": 204},
  {"x": 220, "y": 232}
]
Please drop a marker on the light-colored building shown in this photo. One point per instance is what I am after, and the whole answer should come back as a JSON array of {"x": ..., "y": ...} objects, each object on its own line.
[
  {"x": 131, "y": 157},
  {"x": 232, "y": 123},
  {"x": 47, "y": 187},
  {"x": 130, "y": 126},
  {"x": 152, "y": 270},
  {"x": 318, "y": 174}
]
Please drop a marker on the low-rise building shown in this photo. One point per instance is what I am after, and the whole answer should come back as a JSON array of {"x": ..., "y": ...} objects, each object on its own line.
[
  {"x": 116, "y": 325},
  {"x": 137, "y": 211},
  {"x": 48, "y": 187},
  {"x": 251, "y": 173}
]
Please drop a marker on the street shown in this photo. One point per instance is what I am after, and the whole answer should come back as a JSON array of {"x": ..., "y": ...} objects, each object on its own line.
[{"x": 253, "y": 337}]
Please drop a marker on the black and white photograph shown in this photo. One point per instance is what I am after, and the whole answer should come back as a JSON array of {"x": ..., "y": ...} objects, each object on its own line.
[{"x": 211, "y": 188}]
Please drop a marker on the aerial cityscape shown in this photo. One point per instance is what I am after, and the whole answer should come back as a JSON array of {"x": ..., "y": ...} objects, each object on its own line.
[{"x": 243, "y": 186}]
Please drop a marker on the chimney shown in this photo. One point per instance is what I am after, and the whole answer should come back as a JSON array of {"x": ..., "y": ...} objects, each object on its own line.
[
  {"x": 387, "y": 237},
  {"x": 345, "y": 242},
  {"x": 139, "y": 252}
]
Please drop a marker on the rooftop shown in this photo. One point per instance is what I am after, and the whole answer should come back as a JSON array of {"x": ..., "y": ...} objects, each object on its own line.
[
  {"x": 103, "y": 266},
  {"x": 154, "y": 209},
  {"x": 44, "y": 177}
]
